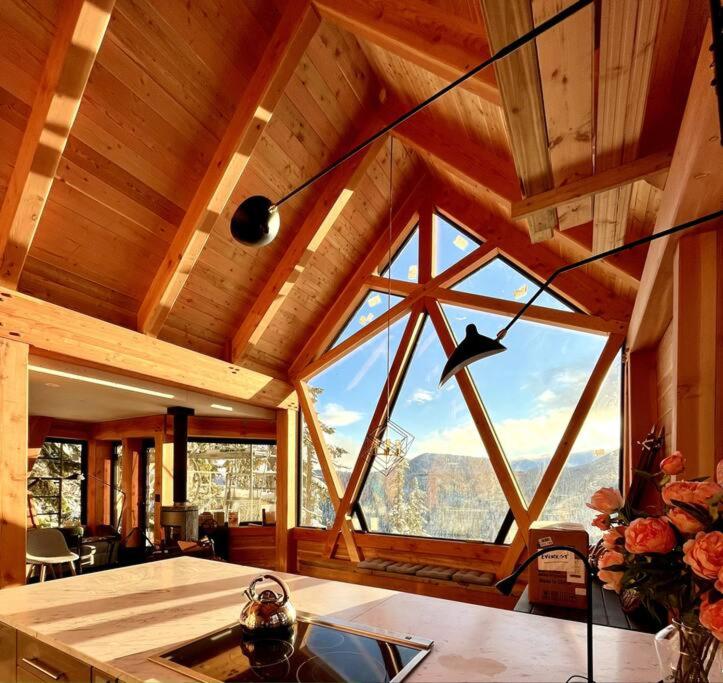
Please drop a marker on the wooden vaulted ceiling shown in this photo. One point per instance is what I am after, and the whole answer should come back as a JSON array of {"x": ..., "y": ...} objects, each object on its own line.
[{"x": 604, "y": 93}]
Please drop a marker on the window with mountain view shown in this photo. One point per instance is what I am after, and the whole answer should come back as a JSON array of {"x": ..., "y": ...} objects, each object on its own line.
[{"x": 446, "y": 487}]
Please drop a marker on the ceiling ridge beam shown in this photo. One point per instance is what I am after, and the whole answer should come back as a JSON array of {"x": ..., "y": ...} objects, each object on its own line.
[
  {"x": 404, "y": 219},
  {"x": 76, "y": 43},
  {"x": 255, "y": 109},
  {"x": 332, "y": 195},
  {"x": 596, "y": 183},
  {"x": 422, "y": 34},
  {"x": 470, "y": 162}
]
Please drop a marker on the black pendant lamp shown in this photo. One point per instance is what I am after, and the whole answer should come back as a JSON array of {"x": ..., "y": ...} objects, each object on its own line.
[
  {"x": 256, "y": 221},
  {"x": 476, "y": 346},
  {"x": 473, "y": 347}
]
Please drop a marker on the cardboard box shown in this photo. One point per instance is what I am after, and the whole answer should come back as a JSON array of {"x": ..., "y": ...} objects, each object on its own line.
[{"x": 558, "y": 578}]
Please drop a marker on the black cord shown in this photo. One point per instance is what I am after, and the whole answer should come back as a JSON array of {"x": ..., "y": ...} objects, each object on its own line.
[
  {"x": 500, "y": 54},
  {"x": 605, "y": 254}
]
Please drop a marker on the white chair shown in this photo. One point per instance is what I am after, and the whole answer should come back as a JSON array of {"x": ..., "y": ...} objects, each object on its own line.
[{"x": 47, "y": 548}]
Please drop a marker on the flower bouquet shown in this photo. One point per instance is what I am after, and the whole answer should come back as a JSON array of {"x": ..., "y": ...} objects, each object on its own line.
[{"x": 674, "y": 561}]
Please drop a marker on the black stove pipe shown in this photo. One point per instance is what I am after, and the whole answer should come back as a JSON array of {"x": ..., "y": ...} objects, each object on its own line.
[{"x": 180, "y": 452}]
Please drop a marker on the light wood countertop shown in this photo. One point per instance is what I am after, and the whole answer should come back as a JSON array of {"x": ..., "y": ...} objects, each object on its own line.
[{"x": 115, "y": 620}]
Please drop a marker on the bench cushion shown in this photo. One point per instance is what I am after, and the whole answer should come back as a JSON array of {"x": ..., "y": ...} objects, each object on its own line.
[
  {"x": 475, "y": 577},
  {"x": 375, "y": 564},
  {"x": 404, "y": 568},
  {"x": 432, "y": 572}
]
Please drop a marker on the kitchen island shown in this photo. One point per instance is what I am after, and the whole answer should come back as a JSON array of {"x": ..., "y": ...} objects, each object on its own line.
[{"x": 114, "y": 621}]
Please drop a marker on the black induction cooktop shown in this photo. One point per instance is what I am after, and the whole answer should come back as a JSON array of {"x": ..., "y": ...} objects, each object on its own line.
[{"x": 315, "y": 650}]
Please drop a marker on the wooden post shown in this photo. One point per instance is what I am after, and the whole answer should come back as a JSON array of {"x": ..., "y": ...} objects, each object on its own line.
[
  {"x": 131, "y": 454},
  {"x": 98, "y": 482},
  {"x": 13, "y": 460},
  {"x": 696, "y": 351},
  {"x": 163, "y": 485},
  {"x": 286, "y": 471}
]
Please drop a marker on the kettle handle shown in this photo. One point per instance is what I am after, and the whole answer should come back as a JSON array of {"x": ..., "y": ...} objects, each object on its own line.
[{"x": 251, "y": 590}]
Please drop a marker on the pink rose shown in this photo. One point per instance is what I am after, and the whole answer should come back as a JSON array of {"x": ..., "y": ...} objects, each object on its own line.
[
  {"x": 690, "y": 491},
  {"x": 614, "y": 537},
  {"x": 649, "y": 535},
  {"x": 704, "y": 554},
  {"x": 606, "y": 500},
  {"x": 684, "y": 522},
  {"x": 601, "y": 521},
  {"x": 612, "y": 580},
  {"x": 711, "y": 616},
  {"x": 673, "y": 464}
]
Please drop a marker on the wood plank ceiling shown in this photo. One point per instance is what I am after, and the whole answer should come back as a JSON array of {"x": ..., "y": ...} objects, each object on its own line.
[{"x": 168, "y": 78}]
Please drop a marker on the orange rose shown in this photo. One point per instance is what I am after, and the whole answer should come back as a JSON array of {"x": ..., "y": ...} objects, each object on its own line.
[
  {"x": 719, "y": 581},
  {"x": 711, "y": 616},
  {"x": 673, "y": 464},
  {"x": 612, "y": 580},
  {"x": 649, "y": 535},
  {"x": 601, "y": 521},
  {"x": 614, "y": 537},
  {"x": 684, "y": 522},
  {"x": 704, "y": 554},
  {"x": 690, "y": 491},
  {"x": 606, "y": 500}
]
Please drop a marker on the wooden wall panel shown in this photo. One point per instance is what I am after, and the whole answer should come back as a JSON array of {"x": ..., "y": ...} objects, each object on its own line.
[
  {"x": 252, "y": 545},
  {"x": 666, "y": 386},
  {"x": 13, "y": 460}
]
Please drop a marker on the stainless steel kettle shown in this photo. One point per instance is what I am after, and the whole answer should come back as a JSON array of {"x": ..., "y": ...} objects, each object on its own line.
[{"x": 268, "y": 610}]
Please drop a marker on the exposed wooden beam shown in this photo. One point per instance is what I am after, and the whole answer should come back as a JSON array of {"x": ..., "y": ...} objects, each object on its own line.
[
  {"x": 421, "y": 33},
  {"x": 13, "y": 460},
  {"x": 57, "y": 331},
  {"x": 566, "y": 57},
  {"x": 694, "y": 188},
  {"x": 397, "y": 287},
  {"x": 469, "y": 162},
  {"x": 99, "y": 493},
  {"x": 627, "y": 41},
  {"x": 333, "y": 195},
  {"x": 130, "y": 484},
  {"x": 448, "y": 278},
  {"x": 519, "y": 82},
  {"x": 163, "y": 483},
  {"x": 576, "y": 286},
  {"x": 286, "y": 497},
  {"x": 366, "y": 454},
  {"x": 256, "y": 106},
  {"x": 616, "y": 176},
  {"x": 559, "y": 458},
  {"x": 78, "y": 37},
  {"x": 403, "y": 221},
  {"x": 539, "y": 314},
  {"x": 427, "y": 243},
  {"x": 482, "y": 422},
  {"x": 38, "y": 431}
]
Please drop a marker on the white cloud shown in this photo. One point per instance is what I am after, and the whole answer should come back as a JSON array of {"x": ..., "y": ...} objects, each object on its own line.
[
  {"x": 376, "y": 353},
  {"x": 335, "y": 415},
  {"x": 546, "y": 396},
  {"x": 421, "y": 396}
]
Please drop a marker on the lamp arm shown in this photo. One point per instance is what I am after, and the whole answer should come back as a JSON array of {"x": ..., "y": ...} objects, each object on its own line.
[
  {"x": 604, "y": 254},
  {"x": 500, "y": 54}
]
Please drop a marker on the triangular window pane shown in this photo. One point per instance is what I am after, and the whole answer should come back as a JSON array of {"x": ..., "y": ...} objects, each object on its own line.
[
  {"x": 405, "y": 263},
  {"x": 594, "y": 460},
  {"x": 446, "y": 488},
  {"x": 374, "y": 305},
  {"x": 452, "y": 245},
  {"x": 530, "y": 390},
  {"x": 503, "y": 281},
  {"x": 347, "y": 393}
]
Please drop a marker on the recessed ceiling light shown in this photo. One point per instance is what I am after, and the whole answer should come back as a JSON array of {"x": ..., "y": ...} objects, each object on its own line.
[
  {"x": 101, "y": 382},
  {"x": 218, "y": 406}
]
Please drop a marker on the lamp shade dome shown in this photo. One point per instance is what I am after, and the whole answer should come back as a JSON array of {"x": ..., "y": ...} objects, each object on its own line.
[
  {"x": 255, "y": 222},
  {"x": 473, "y": 347}
]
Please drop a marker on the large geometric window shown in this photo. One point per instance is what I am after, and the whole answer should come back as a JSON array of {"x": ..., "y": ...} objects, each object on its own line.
[{"x": 483, "y": 443}]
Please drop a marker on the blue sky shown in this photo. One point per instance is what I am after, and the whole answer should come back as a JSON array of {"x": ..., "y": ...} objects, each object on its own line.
[{"x": 529, "y": 391}]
